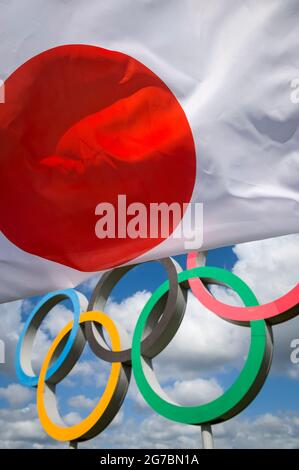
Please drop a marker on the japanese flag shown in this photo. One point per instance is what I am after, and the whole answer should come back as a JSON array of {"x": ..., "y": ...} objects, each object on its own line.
[{"x": 137, "y": 103}]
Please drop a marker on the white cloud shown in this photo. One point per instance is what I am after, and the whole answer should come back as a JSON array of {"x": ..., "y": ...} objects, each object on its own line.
[
  {"x": 118, "y": 420},
  {"x": 90, "y": 283},
  {"x": 72, "y": 418},
  {"x": 88, "y": 372},
  {"x": 20, "y": 428},
  {"x": 56, "y": 320},
  {"x": 80, "y": 401},
  {"x": 270, "y": 267},
  {"x": 16, "y": 395},
  {"x": 183, "y": 392},
  {"x": 194, "y": 392},
  {"x": 83, "y": 369},
  {"x": 128, "y": 311},
  {"x": 271, "y": 431},
  {"x": 264, "y": 431}
]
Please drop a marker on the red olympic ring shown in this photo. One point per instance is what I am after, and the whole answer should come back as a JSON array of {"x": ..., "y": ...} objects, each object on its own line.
[{"x": 280, "y": 310}]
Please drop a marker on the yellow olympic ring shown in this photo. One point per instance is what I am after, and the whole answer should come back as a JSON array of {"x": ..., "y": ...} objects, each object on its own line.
[{"x": 46, "y": 400}]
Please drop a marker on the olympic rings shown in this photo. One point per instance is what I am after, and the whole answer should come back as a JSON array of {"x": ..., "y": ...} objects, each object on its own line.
[
  {"x": 109, "y": 403},
  {"x": 23, "y": 364},
  {"x": 159, "y": 333},
  {"x": 156, "y": 326},
  {"x": 280, "y": 310},
  {"x": 240, "y": 394}
]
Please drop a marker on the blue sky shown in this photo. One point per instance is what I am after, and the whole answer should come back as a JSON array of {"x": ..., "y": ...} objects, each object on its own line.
[{"x": 195, "y": 377}]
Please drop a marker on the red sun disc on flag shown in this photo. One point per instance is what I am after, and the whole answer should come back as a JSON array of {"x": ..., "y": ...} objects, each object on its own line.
[{"x": 80, "y": 126}]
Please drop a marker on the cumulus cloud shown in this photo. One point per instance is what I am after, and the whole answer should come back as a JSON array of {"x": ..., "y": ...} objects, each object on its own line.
[
  {"x": 20, "y": 428},
  {"x": 194, "y": 392},
  {"x": 128, "y": 311},
  {"x": 267, "y": 430},
  {"x": 183, "y": 392},
  {"x": 270, "y": 267},
  {"x": 72, "y": 418},
  {"x": 16, "y": 395},
  {"x": 80, "y": 401},
  {"x": 56, "y": 319}
]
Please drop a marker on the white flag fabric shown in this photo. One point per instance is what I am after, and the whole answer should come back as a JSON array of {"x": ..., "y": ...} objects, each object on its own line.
[{"x": 149, "y": 101}]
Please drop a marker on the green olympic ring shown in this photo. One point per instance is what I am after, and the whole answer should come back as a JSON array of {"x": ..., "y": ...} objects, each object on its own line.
[{"x": 241, "y": 392}]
